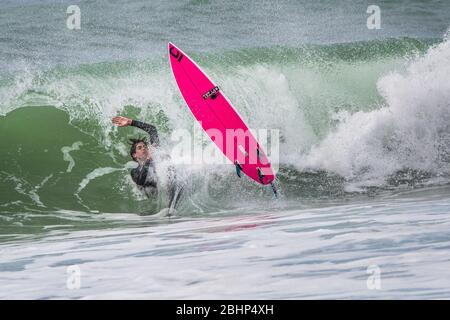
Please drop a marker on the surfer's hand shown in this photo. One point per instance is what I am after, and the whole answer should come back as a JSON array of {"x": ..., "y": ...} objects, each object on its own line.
[{"x": 121, "y": 121}]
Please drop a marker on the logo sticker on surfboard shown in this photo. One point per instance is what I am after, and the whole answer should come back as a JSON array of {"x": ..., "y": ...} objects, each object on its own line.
[{"x": 211, "y": 93}]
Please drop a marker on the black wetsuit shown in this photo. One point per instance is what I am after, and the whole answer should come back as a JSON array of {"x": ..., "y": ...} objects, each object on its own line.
[{"x": 145, "y": 175}]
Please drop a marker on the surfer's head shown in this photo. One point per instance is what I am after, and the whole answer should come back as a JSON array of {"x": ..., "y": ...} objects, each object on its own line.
[{"x": 139, "y": 149}]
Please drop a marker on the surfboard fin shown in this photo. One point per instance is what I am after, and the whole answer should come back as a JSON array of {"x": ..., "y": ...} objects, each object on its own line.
[
  {"x": 238, "y": 168},
  {"x": 260, "y": 175}
]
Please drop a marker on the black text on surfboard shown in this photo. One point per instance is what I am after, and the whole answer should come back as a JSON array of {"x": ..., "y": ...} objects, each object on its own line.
[
  {"x": 211, "y": 93},
  {"x": 176, "y": 55}
]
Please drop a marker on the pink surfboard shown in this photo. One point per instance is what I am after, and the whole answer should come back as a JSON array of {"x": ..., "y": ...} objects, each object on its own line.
[{"x": 219, "y": 119}]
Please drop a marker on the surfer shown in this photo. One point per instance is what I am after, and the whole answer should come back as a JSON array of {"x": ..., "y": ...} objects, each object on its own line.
[{"x": 144, "y": 175}]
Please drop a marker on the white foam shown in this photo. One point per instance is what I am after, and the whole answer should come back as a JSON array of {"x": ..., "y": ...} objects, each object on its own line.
[
  {"x": 405, "y": 237},
  {"x": 411, "y": 130},
  {"x": 67, "y": 157},
  {"x": 95, "y": 174}
]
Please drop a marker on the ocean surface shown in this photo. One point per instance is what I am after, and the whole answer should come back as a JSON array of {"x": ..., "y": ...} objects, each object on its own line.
[{"x": 363, "y": 162}]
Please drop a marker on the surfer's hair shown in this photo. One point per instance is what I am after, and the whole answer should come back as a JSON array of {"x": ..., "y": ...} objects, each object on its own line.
[{"x": 133, "y": 143}]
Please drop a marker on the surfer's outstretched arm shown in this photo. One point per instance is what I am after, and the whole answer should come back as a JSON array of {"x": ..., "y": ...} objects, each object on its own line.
[{"x": 150, "y": 129}]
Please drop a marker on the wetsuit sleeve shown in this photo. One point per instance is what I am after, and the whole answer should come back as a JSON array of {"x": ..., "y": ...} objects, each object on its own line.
[{"x": 151, "y": 130}]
